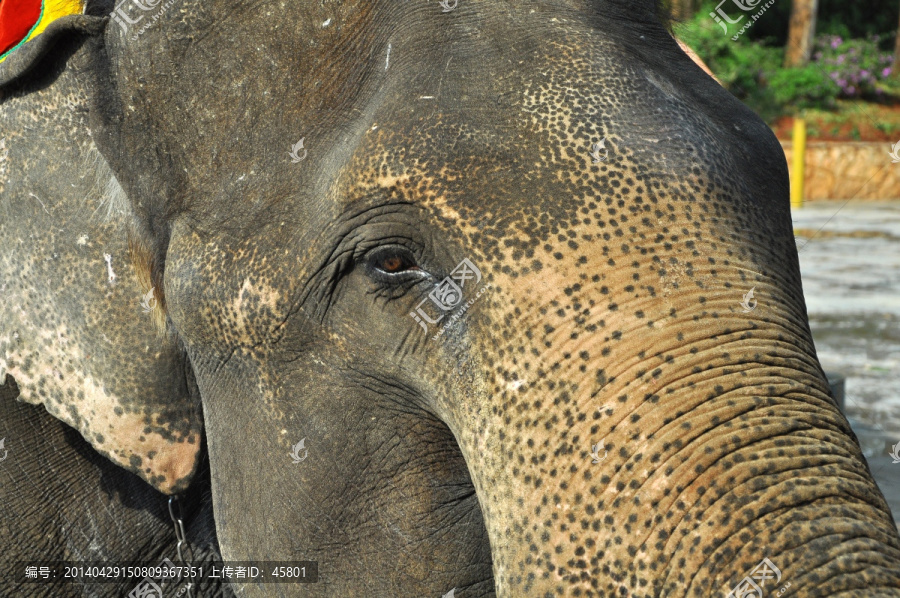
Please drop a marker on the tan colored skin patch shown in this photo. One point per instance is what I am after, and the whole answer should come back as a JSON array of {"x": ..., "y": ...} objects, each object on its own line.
[
  {"x": 74, "y": 341},
  {"x": 251, "y": 298},
  {"x": 125, "y": 438},
  {"x": 496, "y": 170}
]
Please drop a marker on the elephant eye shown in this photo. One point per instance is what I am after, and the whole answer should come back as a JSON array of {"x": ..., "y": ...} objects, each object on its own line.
[{"x": 393, "y": 260}]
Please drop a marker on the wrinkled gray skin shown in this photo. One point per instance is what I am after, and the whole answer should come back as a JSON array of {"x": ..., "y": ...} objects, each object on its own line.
[
  {"x": 64, "y": 325},
  {"x": 613, "y": 317},
  {"x": 61, "y": 500}
]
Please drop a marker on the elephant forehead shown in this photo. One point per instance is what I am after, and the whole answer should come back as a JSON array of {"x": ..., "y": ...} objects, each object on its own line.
[{"x": 590, "y": 131}]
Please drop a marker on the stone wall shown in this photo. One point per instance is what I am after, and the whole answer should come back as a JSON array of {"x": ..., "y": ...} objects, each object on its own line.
[{"x": 848, "y": 170}]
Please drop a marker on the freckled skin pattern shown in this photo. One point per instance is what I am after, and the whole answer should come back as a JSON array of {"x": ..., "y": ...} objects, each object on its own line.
[
  {"x": 61, "y": 500},
  {"x": 71, "y": 341},
  {"x": 73, "y": 335},
  {"x": 463, "y": 460}
]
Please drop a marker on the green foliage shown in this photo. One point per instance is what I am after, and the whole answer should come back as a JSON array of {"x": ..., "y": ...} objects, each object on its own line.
[
  {"x": 889, "y": 88},
  {"x": 885, "y": 127},
  {"x": 856, "y": 65},
  {"x": 846, "y": 18},
  {"x": 858, "y": 19},
  {"x": 751, "y": 67},
  {"x": 743, "y": 68},
  {"x": 803, "y": 88}
]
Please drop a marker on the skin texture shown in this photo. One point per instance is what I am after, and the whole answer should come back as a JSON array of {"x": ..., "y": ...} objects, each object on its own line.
[
  {"x": 613, "y": 316},
  {"x": 61, "y": 500},
  {"x": 81, "y": 349},
  {"x": 70, "y": 317}
]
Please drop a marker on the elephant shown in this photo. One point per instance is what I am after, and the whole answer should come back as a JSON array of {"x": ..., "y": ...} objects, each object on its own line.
[
  {"x": 464, "y": 299},
  {"x": 63, "y": 498},
  {"x": 62, "y": 501}
]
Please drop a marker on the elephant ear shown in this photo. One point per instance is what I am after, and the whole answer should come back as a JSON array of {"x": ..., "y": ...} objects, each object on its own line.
[{"x": 77, "y": 331}]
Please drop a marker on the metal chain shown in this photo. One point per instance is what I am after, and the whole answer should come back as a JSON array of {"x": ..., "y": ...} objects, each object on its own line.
[{"x": 182, "y": 541}]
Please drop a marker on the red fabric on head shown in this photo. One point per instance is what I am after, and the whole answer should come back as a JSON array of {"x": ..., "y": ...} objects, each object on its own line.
[{"x": 17, "y": 18}]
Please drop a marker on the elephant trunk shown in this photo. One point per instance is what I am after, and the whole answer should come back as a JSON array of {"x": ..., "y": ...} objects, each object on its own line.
[{"x": 597, "y": 459}]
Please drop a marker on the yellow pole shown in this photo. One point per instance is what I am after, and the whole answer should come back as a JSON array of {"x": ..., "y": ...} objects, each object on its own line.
[{"x": 799, "y": 158}]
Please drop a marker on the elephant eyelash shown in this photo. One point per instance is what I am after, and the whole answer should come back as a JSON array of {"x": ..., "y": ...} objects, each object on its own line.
[{"x": 391, "y": 291}]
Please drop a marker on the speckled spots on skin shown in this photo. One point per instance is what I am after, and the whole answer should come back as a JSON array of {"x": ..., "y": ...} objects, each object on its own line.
[
  {"x": 614, "y": 297},
  {"x": 388, "y": 181},
  {"x": 252, "y": 299},
  {"x": 613, "y": 312},
  {"x": 125, "y": 436},
  {"x": 72, "y": 341}
]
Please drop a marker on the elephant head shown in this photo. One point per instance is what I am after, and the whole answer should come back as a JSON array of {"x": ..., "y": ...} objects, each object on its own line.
[{"x": 496, "y": 292}]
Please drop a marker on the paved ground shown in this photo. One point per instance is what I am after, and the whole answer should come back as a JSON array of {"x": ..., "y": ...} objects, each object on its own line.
[{"x": 850, "y": 262}]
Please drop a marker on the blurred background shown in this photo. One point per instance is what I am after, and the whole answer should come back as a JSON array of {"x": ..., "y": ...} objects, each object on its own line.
[{"x": 825, "y": 76}]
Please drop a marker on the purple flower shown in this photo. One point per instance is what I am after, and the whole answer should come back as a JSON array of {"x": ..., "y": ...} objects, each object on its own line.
[
  {"x": 836, "y": 41},
  {"x": 886, "y": 73},
  {"x": 851, "y": 90},
  {"x": 864, "y": 74},
  {"x": 842, "y": 82},
  {"x": 840, "y": 59}
]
